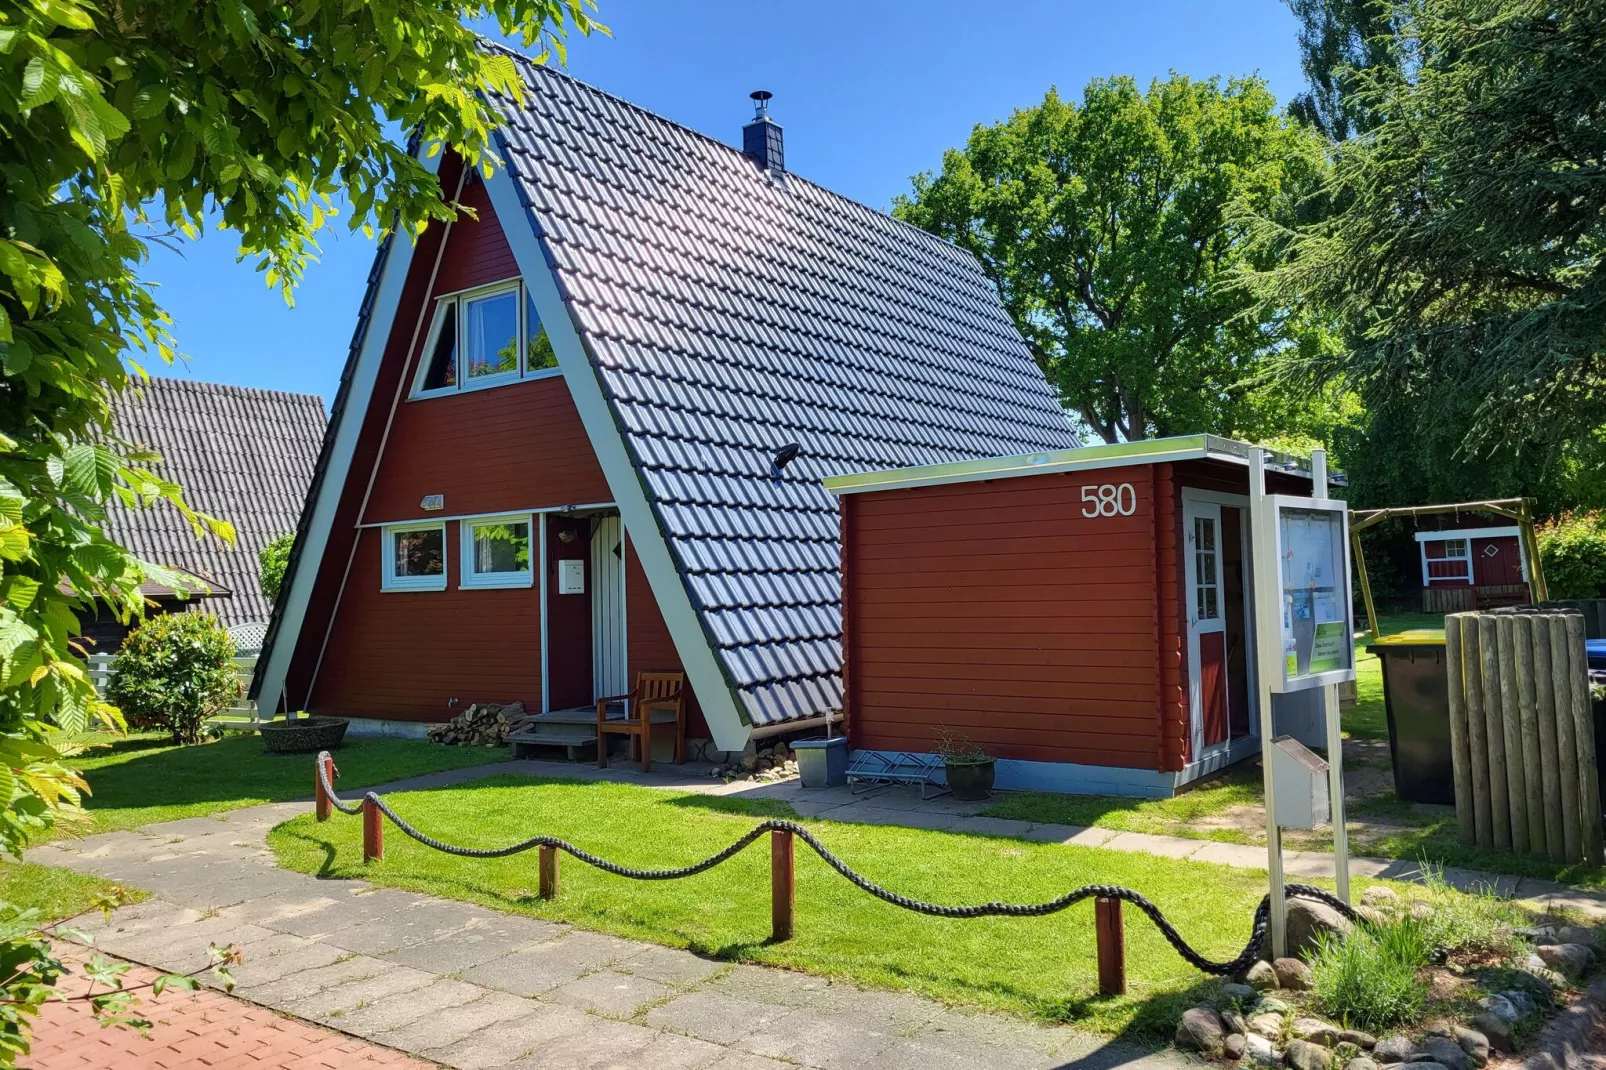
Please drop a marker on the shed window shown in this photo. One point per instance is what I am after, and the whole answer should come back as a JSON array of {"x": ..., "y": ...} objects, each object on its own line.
[
  {"x": 415, "y": 557},
  {"x": 497, "y": 552},
  {"x": 1207, "y": 587},
  {"x": 1446, "y": 561}
]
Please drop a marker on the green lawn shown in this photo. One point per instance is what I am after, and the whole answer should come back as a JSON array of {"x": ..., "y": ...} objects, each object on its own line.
[
  {"x": 59, "y": 893},
  {"x": 1188, "y": 814},
  {"x": 142, "y": 779},
  {"x": 1043, "y": 967},
  {"x": 1368, "y": 720}
]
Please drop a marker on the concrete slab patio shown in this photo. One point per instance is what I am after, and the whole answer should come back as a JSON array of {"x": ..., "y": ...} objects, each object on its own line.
[{"x": 473, "y": 989}]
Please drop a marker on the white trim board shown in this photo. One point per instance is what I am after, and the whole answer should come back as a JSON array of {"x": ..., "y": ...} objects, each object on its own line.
[
  {"x": 376, "y": 337},
  {"x": 1468, "y": 533},
  {"x": 707, "y": 676}
]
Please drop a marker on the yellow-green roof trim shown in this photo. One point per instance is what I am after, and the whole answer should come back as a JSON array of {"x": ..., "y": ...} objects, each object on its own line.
[{"x": 1111, "y": 455}]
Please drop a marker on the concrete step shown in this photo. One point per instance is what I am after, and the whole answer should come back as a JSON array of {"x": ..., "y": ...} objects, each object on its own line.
[{"x": 543, "y": 732}]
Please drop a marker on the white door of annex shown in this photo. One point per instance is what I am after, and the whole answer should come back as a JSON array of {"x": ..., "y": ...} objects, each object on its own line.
[{"x": 609, "y": 675}]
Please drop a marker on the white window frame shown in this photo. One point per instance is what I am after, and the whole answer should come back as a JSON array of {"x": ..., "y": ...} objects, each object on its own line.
[
  {"x": 392, "y": 582},
  {"x": 460, "y": 300},
  {"x": 467, "y": 577},
  {"x": 1465, "y": 557}
]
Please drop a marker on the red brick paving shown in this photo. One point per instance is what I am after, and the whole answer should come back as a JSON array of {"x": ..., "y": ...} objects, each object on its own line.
[{"x": 206, "y": 1031}]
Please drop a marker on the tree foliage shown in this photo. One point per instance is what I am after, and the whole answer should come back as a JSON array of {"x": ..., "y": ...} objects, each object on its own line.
[
  {"x": 274, "y": 559},
  {"x": 1572, "y": 549},
  {"x": 173, "y": 672},
  {"x": 1112, "y": 229},
  {"x": 1337, "y": 38},
  {"x": 1466, "y": 255},
  {"x": 143, "y": 120}
]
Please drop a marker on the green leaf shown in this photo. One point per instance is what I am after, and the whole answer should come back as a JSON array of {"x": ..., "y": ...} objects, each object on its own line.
[
  {"x": 65, "y": 14},
  {"x": 90, "y": 470},
  {"x": 150, "y": 101}
]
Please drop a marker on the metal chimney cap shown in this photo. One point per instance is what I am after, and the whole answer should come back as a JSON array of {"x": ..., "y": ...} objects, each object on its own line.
[{"x": 761, "y": 101}]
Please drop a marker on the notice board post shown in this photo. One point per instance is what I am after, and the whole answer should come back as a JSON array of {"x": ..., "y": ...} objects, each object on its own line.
[{"x": 1304, "y": 639}]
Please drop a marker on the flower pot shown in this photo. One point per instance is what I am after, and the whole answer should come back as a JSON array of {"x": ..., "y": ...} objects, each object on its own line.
[
  {"x": 304, "y": 735},
  {"x": 970, "y": 781},
  {"x": 822, "y": 763}
]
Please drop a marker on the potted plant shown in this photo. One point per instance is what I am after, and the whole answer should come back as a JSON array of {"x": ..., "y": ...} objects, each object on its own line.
[{"x": 969, "y": 768}]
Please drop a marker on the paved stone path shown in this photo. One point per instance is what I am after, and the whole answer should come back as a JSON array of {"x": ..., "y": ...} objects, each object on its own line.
[
  {"x": 474, "y": 989},
  {"x": 208, "y": 1030},
  {"x": 902, "y": 805}
]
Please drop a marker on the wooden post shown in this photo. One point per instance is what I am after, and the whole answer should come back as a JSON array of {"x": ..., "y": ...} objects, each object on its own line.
[
  {"x": 1572, "y": 830},
  {"x": 783, "y": 885},
  {"x": 1366, "y": 584},
  {"x": 1494, "y": 731},
  {"x": 1544, "y": 699},
  {"x": 1584, "y": 741},
  {"x": 1533, "y": 768},
  {"x": 1112, "y": 946},
  {"x": 323, "y": 768},
  {"x": 373, "y": 831},
  {"x": 1477, "y": 728},
  {"x": 549, "y": 872},
  {"x": 1460, "y": 737},
  {"x": 1511, "y": 725}
]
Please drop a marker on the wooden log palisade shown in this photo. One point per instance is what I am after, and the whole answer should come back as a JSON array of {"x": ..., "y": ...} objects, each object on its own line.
[{"x": 1522, "y": 735}]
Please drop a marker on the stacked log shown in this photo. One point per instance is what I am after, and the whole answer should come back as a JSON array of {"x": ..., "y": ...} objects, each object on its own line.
[
  {"x": 484, "y": 724},
  {"x": 1522, "y": 734}
]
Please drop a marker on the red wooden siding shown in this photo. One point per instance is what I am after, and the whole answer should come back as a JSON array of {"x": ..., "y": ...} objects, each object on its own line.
[
  {"x": 1503, "y": 567},
  {"x": 404, "y": 655},
  {"x": 1213, "y": 686},
  {"x": 999, "y": 611},
  {"x": 1174, "y": 736}
]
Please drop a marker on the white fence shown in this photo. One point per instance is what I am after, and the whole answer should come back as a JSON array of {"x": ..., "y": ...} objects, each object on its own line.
[{"x": 100, "y": 674}]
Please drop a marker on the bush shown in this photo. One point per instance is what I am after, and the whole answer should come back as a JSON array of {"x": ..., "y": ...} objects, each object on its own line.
[
  {"x": 1572, "y": 549},
  {"x": 1368, "y": 980},
  {"x": 173, "y": 672},
  {"x": 274, "y": 558}
]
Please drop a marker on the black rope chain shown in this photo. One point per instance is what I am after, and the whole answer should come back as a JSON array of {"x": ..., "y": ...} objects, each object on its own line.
[{"x": 1241, "y": 962}]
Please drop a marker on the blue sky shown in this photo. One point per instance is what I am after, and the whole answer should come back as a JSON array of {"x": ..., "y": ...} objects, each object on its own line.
[{"x": 869, "y": 93}]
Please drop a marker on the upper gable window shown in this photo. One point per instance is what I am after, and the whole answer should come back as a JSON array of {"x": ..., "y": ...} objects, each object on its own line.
[{"x": 484, "y": 337}]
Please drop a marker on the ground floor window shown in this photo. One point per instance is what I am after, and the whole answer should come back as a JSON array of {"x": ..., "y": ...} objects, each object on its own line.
[
  {"x": 497, "y": 552},
  {"x": 415, "y": 557}
]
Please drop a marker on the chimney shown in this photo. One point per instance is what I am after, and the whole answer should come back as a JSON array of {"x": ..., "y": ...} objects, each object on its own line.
[{"x": 761, "y": 138}]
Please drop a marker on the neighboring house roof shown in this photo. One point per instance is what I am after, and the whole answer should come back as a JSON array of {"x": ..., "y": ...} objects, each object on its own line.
[
  {"x": 729, "y": 313},
  {"x": 243, "y": 455},
  {"x": 718, "y": 314}
]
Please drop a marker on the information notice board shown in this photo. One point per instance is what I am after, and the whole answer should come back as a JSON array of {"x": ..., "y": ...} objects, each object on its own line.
[{"x": 1312, "y": 547}]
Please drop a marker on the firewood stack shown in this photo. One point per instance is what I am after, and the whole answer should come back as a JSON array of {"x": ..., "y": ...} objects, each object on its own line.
[{"x": 484, "y": 724}]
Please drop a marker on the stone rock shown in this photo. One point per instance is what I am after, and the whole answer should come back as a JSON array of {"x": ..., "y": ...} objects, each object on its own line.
[
  {"x": 1569, "y": 960},
  {"x": 1447, "y": 1053},
  {"x": 1474, "y": 1043},
  {"x": 1395, "y": 1049},
  {"x": 1238, "y": 993},
  {"x": 1303, "y": 1055},
  {"x": 1292, "y": 974},
  {"x": 1361, "y": 1063},
  {"x": 1233, "y": 1046},
  {"x": 1521, "y": 1002},
  {"x": 1543, "y": 981},
  {"x": 1314, "y": 1030},
  {"x": 1577, "y": 934},
  {"x": 1421, "y": 909},
  {"x": 1309, "y": 921},
  {"x": 1379, "y": 895},
  {"x": 749, "y": 763},
  {"x": 1439, "y": 1029},
  {"x": 1271, "y": 1005},
  {"x": 1200, "y": 1030},
  {"x": 1501, "y": 1007},
  {"x": 1269, "y": 1026},
  {"x": 1258, "y": 1051},
  {"x": 1496, "y": 1030},
  {"x": 1261, "y": 977},
  {"x": 1373, "y": 915},
  {"x": 1365, "y": 1041},
  {"x": 1234, "y": 1022},
  {"x": 1538, "y": 934}
]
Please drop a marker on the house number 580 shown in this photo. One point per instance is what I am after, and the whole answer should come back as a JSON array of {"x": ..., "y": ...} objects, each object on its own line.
[{"x": 1107, "y": 499}]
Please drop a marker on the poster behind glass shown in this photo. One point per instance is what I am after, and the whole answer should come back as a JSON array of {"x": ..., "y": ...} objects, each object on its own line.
[{"x": 1315, "y": 596}]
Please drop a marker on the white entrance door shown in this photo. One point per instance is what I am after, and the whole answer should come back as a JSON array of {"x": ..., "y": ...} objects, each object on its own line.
[
  {"x": 608, "y": 673},
  {"x": 1207, "y": 629}
]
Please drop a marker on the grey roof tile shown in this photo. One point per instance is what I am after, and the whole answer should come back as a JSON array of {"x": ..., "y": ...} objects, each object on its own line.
[{"x": 241, "y": 454}]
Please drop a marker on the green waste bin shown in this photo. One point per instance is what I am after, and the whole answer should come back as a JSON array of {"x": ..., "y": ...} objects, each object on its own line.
[{"x": 1416, "y": 695}]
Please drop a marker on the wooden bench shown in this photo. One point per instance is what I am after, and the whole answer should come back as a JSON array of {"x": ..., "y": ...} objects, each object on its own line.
[{"x": 657, "y": 698}]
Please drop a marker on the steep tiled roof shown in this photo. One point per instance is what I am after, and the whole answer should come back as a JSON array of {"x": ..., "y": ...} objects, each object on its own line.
[
  {"x": 240, "y": 454},
  {"x": 729, "y": 313}
]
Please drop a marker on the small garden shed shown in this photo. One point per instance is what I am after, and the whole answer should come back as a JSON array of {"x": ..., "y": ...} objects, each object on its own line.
[{"x": 1083, "y": 615}]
